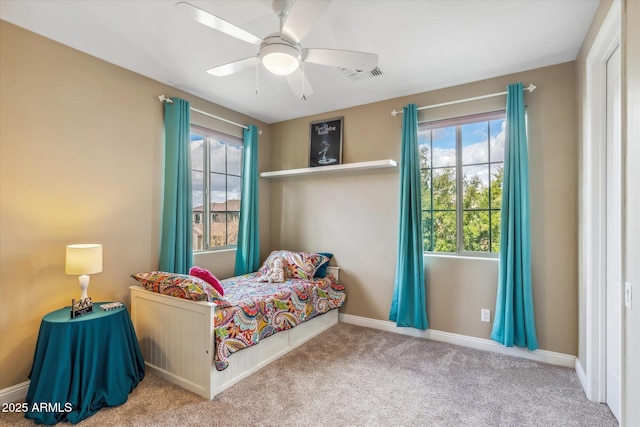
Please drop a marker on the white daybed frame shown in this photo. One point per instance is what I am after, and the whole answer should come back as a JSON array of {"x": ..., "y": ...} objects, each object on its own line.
[{"x": 177, "y": 341}]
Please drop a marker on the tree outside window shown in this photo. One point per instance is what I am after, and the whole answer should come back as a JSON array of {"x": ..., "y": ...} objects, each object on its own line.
[{"x": 462, "y": 167}]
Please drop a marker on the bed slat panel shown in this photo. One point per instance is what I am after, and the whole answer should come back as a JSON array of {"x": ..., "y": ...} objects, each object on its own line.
[{"x": 173, "y": 338}]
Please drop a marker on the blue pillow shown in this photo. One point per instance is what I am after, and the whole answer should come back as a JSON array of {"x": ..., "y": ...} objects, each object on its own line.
[{"x": 322, "y": 270}]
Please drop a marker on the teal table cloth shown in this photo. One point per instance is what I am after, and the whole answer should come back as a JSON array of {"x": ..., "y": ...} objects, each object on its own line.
[{"x": 82, "y": 365}]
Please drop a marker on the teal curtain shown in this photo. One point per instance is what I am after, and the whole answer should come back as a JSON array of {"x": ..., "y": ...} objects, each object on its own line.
[
  {"x": 408, "y": 307},
  {"x": 176, "y": 241},
  {"x": 514, "y": 322},
  {"x": 248, "y": 251}
]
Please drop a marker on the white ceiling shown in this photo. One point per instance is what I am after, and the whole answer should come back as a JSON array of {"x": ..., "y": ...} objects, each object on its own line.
[{"x": 422, "y": 45}]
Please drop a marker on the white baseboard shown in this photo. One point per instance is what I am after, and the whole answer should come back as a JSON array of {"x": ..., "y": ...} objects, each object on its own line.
[
  {"x": 582, "y": 376},
  {"x": 545, "y": 356},
  {"x": 15, "y": 393}
]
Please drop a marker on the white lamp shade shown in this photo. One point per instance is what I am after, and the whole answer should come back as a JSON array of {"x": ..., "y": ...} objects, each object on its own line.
[{"x": 83, "y": 259}]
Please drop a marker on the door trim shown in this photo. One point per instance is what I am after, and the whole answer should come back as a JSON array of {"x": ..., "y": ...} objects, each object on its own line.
[{"x": 592, "y": 217}]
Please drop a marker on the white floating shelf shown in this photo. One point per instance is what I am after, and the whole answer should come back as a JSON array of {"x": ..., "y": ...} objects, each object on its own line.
[{"x": 347, "y": 167}]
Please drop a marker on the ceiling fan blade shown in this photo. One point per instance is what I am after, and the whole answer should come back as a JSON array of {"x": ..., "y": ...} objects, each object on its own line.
[
  {"x": 234, "y": 67},
  {"x": 299, "y": 84},
  {"x": 341, "y": 58},
  {"x": 302, "y": 17},
  {"x": 216, "y": 23}
]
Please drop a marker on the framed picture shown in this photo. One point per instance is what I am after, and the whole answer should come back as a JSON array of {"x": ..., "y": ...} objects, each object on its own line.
[{"x": 325, "y": 142}]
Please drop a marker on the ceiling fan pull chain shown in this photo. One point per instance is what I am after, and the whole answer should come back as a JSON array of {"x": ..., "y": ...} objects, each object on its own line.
[
  {"x": 257, "y": 75},
  {"x": 304, "y": 77}
]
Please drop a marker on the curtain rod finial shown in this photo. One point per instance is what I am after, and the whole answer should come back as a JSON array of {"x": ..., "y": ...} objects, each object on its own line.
[
  {"x": 394, "y": 113},
  {"x": 530, "y": 88}
]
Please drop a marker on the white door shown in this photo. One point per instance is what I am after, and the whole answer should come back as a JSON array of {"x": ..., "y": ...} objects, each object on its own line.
[{"x": 614, "y": 237}]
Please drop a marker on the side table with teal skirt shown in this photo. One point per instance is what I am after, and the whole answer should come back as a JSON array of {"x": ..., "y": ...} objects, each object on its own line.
[{"x": 82, "y": 365}]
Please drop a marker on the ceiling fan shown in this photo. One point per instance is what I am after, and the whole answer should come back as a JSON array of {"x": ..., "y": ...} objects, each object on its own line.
[{"x": 281, "y": 52}]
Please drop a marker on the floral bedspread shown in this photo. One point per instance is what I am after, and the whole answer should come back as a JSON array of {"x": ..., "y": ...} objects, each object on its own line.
[{"x": 254, "y": 310}]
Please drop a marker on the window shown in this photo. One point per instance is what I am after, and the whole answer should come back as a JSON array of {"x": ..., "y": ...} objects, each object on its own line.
[
  {"x": 216, "y": 165},
  {"x": 462, "y": 165}
]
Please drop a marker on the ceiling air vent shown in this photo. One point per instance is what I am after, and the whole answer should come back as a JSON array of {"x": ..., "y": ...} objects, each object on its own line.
[{"x": 356, "y": 75}]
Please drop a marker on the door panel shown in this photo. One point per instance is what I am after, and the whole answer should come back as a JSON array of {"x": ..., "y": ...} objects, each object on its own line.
[{"x": 614, "y": 237}]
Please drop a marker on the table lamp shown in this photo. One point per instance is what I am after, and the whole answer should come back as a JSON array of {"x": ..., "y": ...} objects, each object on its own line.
[{"x": 84, "y": 259}]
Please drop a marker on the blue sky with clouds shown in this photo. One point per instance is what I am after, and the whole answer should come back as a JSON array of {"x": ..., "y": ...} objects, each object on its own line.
[
  {"x": 221, "y": 186},
  {"x": 479, "y": 142}
]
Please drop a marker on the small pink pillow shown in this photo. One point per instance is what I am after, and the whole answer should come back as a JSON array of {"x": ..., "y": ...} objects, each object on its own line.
[{"x": 206, "y": 275}]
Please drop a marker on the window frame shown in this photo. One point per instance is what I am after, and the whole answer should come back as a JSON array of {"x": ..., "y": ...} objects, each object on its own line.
[
  {"x": 458, "y": 122},
  {"x": 208, "y": 134}
]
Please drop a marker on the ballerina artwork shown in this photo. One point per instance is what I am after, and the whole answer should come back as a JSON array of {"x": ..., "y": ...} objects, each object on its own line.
[{"x": 324, "y": 160}]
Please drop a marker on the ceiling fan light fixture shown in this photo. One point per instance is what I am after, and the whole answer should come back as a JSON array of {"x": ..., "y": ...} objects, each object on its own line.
[
  {"x": 281, "y": 64},
  {"x": 281, "y": 59}
]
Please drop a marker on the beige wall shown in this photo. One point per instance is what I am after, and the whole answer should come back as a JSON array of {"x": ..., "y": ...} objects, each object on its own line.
[
  {"x": 356, "y": 216},
  {"x": 81, "y": 151}
]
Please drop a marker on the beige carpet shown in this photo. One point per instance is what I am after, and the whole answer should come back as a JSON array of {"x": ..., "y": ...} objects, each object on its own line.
[{"x": 354, "y": 376}]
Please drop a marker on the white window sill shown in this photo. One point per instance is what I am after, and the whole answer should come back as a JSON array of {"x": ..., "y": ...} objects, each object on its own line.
[
  {"x": 457, "y": 256},
  {"x": 215, "y": 251}
]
